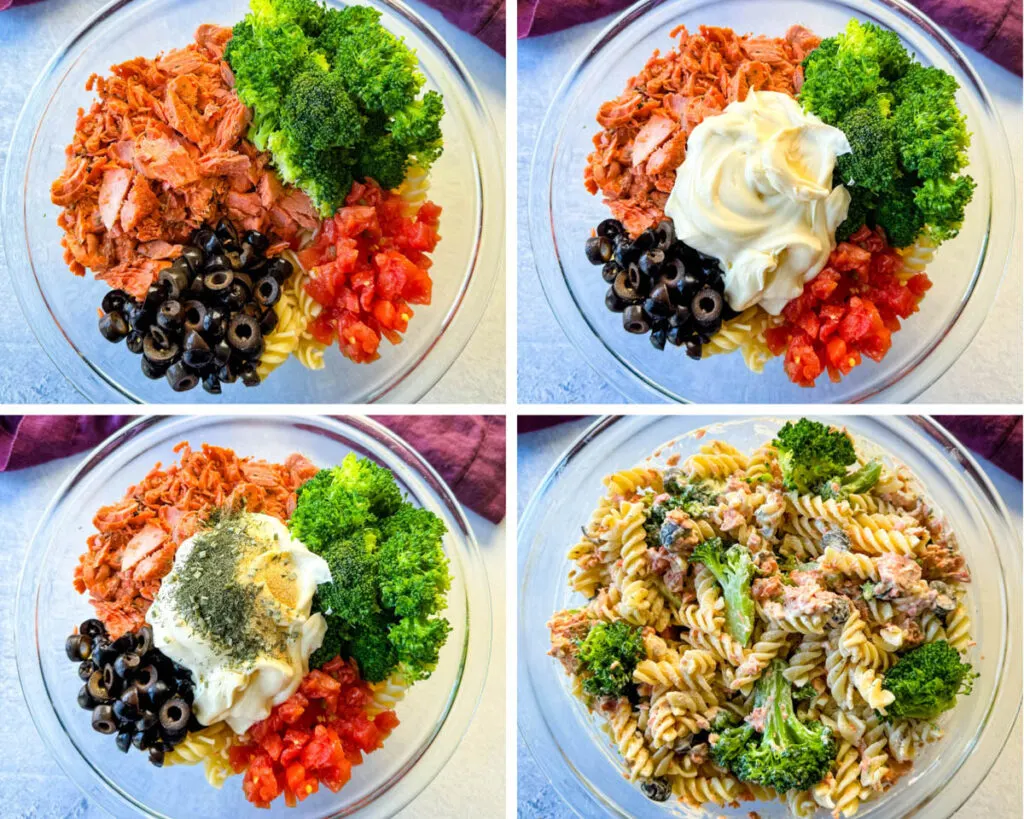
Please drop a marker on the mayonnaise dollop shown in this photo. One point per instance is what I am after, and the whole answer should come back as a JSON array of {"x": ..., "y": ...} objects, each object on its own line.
[
  {"x": 755, "y": 192},
  {"x": 275, "y": 575}
]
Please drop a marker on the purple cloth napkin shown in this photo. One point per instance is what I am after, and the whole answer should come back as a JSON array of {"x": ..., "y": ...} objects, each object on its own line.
[
  {"x": 993, "y": 27},
  {"x": 484, "y": 19},
  {"x": 467, "y": 450}
]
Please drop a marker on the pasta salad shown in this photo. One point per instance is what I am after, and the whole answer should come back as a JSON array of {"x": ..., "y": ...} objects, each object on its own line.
[{"x": 786, "y": 624}]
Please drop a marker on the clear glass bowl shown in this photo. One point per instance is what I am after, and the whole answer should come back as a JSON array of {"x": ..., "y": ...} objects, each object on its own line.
[
  {"x": 966, "y": 272},
  {"x": 578, "y": 758},
  {"x": 61, "y": 309},
  {"x": 434, "y": 716}
]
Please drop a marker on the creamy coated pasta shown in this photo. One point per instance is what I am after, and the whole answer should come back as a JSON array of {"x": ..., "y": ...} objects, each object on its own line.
[{"x": 723, "y": 585}]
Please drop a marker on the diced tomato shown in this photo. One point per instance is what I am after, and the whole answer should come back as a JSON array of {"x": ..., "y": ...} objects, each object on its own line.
[
  {"x": 386, "y": 722},
  {"x": 260, "y": 784},
  {"x": 316, "y": 684}
]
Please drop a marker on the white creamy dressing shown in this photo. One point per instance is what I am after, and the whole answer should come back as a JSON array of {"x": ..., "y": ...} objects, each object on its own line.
[
  {"x": 286, "y": 575},
  {"x": 755, "y": 192}
]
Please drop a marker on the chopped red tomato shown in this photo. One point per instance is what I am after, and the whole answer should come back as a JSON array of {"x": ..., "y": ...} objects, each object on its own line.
[
  {"x": 313, "y": 737},
  {"x": 849, "y": 310},
  {"x": 366, "y": 266}
]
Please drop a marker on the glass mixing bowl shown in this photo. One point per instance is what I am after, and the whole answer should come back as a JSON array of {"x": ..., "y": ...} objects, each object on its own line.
[
  {"x": 434, "y": 715},
  {"x": 966, "y": 271},
  {"x": 578, "y": 758},
  {"x": 61, "y": 309}
]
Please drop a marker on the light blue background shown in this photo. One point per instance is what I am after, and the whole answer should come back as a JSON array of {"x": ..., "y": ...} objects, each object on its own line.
[
  {"x": 551, "y": 371},
  {"x": 999, "y": 794}
]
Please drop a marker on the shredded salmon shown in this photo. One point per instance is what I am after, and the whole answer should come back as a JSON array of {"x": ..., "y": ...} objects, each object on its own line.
[
  {"x": 161, "y": 152},
  {"x": 644, "y": 130},
  {"x": 136, "y": 538}
]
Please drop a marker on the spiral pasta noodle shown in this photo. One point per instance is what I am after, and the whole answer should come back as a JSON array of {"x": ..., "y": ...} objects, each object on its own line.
[{"x": 208, "y": 747}]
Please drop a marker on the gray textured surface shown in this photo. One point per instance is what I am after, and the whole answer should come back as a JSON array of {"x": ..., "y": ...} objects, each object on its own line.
[
  {"x": 30, "y": 35},
  {"x": 998, "y": 796},
  {"x": 552, "y": 371},
  {"x": 32, "y": 785}
]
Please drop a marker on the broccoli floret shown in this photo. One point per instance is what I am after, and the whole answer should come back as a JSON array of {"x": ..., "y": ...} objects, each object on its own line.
[
  {"x": 417, "y": 642},
  {"x": 308, "y": 15},
  {"x": 319, "y": 113},
  {"x": 326, "y": 512},
  {"x": 691, "y": 498},
  {"x": 926, "y": 681},
  {"x": 805, "y": 692},
  {"x": 609, "y": 654},
  {"x": 344, "y": 23},
  {"x": 414, "y": 575},
  {"x": 847, "y": 69},
  {"x": 930, "y": 130},
  {"x": 352, "y": 593},
  {"x": 856, "y": 483},
  {"x": 734, "y": 570},
  {"x": 372, "y": 481},
  {"x": 862, "y": 206},
  {"x": 942, "y": 203},
  {"x": 898, "y": 214},
  {"x": 811, "y": 453},
  {"x": 874, "y": 159},
  {"x": 417, "y": 128},
  {"x": 787, "y": 754},
  {"x": 384, "y": 161},
  {"x": 372, "y": 649},
  {"x": 264, "y": 59}
]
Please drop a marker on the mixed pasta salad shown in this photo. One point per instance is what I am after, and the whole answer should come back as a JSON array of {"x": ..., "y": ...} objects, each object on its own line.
[
  {"x": 259, "y": 619},
  {"x": 786, "y": 624},
  {"x": 777, "y": 196}
]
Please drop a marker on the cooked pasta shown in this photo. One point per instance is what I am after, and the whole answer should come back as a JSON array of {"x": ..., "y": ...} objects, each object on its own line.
[
  {"x": 838, "y": 595},
  {"x": 208, "y": 747}
]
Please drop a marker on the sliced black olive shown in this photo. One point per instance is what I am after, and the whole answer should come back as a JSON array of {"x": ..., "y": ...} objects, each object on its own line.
[
  {"x": 156, "y": 757},
  {"x": 678, "y": 335},
  {"x": 694, "y": 349},
  {"x": 645, "y": 241},
  {"x": 123, "y": 741},
  {"x": 251, "y": 259},
  {"x": 85, "y": 699},
  {"x": 144, "y": 640},
  {"x": 226, "y": 231},
  {"x": 160, "y": 355},
  {"x": 111, "y": 681},
  {"x": 146, "y": 676},
  {"x": 598, "y": 249},
  {"x": 154, "y": 296},
  {"x": 102, "y": 652},
  {"x": 657, "y": 790},
  {"x": 247, "y": 372},
  {"x": 197, "y": 353},
  {"x": 610, "y": 271},
  {"x": 659, "y": 303},
  {"x": 162, "y": 339},
  {"x": 103, "y": 719},
  {"x": 114, "y": 326},
  {"x": 672, "y": 273},
  {"x": 174, "y": 715},
  {"x": 259, "y": 242},
  {"x": 680, "y": 317},
  {"x": 157, "y": 693},
  {"x": 651, "y": 262},
  {"x": 245, "y": 279},
  {"x": 234, "y": 260},
  {"x": 280, "y": 268},
  {"x": 85, "y": 670},
  {"x": 268, "y": 321},
  {"x": 130, "y": 698},
  {"x": 195, "y": 312},
  {"x": 139, "y": 317},
  {"x": 665, "y": 233},
  {"x": 244, "y": 335},
  {"x": 613, "y": 302},
  {"x": 126, "y": 664},
  {"x": 92, "y": 627},
  {"x": 706, "y": 306},
  {"x": 114, "y": 301},
  {"x": 638, "y": 280},
  {"x": 140, "y": 741},
  {"x": 134, "y": 342},
  {"x": 181, "y": 378},
  {"x": 236, "y": 296},
  {"x": 623, "y": 291},
  {"x": 624, "y": 252},
  {"x": 635, "y": 320},
  {"x": 227, "y": 374},
  {"x": 253, "y": 311},
  {"x": 218, "y": 283},
  {"x": 193, "y": 257},
  {"x": 218, "y": 261},
  {"x": 208, "y": 241},
  {"x": 221, "y": 352},
  {"x": 171, "y": 315},
  {"x": 658, "y": 338},
  {"x": 267, "y": 291},
  {"x": 196, "y": 289},
  {"x": 151, "y": 370},
  {"x": 124, "y": 712},
  {"x": 97, "y": 690},
  {"x": 610, "y": 228},
  {"x": 214, "y": 324},
  {"x": 72, "y": 646},
  {"x": 211, "y": 383},
  {"x": 176, "y": 278}
]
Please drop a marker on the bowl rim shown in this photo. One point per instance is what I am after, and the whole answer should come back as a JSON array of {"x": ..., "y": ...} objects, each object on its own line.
[
  {"x": 463, "y": 698},
  {"x": 568, "y": 781},
  {"x": 412, "y": 380},
  {"x": 927, "y": 363}
]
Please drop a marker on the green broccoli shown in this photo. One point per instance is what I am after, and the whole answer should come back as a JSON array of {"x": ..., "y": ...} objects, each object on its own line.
[
  {"x": 691, "y": 498},
  {"x": 898, "y": 214},
  {"x": 371, "y": 647},
  {"x": 372, "y": 481},
  {"x": 383, "y": 161},
  {"x": 734, "y": 570},
  {"x": 417, "y": 642},
  {"x": 327, "y": 512},
  {"x": 862, "y": 206},
  {"x": 352, "y": 595},
  {"x": 786, "y": 754},
  {"x": 874, "y": 159},
  {"x": 926, "y": 681},
  {"x": 846, "y": 70},
  {"x": 811, "y": 453},
  {"x": 930, "y": 130},
  {"x": 942, "y": 203},
  {"x": 319, "y": 113},
  {"x": 609, "y": 654},
  {"x": 417, "y": 128},
  {"x": 856, "y": 483},
  {"x": 308, "y": 15},
  {"x": 414, "y": 575}
]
